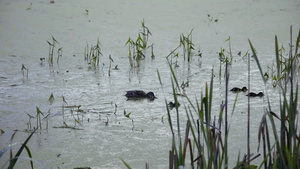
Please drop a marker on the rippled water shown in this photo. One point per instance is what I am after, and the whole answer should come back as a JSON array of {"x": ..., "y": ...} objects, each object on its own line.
[{"x": 107, "y": 134}]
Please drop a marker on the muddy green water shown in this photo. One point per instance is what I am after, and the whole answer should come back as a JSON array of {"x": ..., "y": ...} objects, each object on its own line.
[{"x": 106, "y": 135}]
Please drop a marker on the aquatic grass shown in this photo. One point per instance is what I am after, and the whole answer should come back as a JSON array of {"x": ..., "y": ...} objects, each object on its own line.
[
  {"x": 24, "y": 71},
  {"x": 284, "y": 152},
  {"x": 51, "y": 50},
  {"x": 13, "y": 159},
  {"x": 51, "y": 99},
  {"x": 59, "y": 54},
  {"x": 130, "y": 44},
  {"x": 109, "y": 69},
  {"x": 210, "y": 152},
  {"x": 92, "y": 54},
  {"x": 187, "y": 44},
  {"x": 224, "y": 58},
  {"x": 137, "y": 48},
  {"x": 145, "y": 33},
  {"x": 152, "y": 53},
  {"x": 38, "y": 118}
]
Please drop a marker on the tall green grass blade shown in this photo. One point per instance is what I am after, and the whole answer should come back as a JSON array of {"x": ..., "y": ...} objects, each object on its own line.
[
  {"x": 257, "y": 61},
  {"x": 297, "y": 45},
  {"x": 128, "y": 167},
  {"x": 278, "y": 62},
  {"x": 174, "y": 76},
  {"x": 15, "y": 159},
  {"x": 159, "y": 78},
  {"x": 29, "y": 155}
]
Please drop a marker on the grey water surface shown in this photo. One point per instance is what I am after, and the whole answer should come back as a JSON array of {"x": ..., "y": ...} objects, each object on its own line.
[{"x": 105, "y": 133}]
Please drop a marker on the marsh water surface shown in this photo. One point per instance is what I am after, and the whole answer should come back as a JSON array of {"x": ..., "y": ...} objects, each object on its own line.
[{"x": 104, "y": 134}]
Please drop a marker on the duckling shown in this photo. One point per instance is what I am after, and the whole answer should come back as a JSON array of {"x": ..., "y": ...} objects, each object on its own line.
[
  {"x": 251, "y": 94},
  {"x": 236, "y": 89},
  {"x": 138, "y": 94},
  {"x": 172, "y": 105}
]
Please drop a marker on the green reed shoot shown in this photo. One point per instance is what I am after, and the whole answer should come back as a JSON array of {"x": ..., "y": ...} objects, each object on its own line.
[
  {"x": 223, "y": 58},
  {"x": 109, "y": 69},
  {"x": 29, "y": 122},
  {"x": 152, "y": 54},
  {"x": 229, "y": 52},
  {"x": 24, "y": 71},
  {"x": 64, "y": 102},
  {"x": 130, "y": 44},
  {"x": 51, "y": 99},
  {"x": 92, "y": 55},
  {"x": 187, "y": 44},
  {"x": 38, "y": 118},
  {"x": 137, "y": 47},
  {"x": 145, "y": 33},
  {"x": 51, "y": 49},
  {"x": 59, "y": 54}
]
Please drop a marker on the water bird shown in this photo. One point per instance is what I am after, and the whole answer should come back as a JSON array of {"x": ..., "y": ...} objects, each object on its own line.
[
  {"x": 236, "y": 89},
  {"x": 251, "y": 94},
  {"x": 139, "y": 94},
  {"x": 172, "y": 105}
]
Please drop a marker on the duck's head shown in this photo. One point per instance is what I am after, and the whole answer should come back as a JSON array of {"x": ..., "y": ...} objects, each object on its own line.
[
  {"x": 151, "y": 95},
  {"x": 244, "y": 89},
  {"x": 260, "y": 94}
]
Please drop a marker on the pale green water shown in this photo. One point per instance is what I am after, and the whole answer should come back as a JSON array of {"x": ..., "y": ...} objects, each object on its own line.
[{"x": 143, "y": 137}]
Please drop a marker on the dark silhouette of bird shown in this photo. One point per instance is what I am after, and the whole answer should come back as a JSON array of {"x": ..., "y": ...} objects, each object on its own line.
[
  {"x": 236, "y": 89},
  {"x": 139, "y": 94},
  {"x": 251, "y": 94}
]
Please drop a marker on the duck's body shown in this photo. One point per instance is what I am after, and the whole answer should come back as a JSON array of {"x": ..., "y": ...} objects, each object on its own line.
[
  {"x": 251, "y": 94},
  {"x": 138, "y": 94},
  {"x": 236, "y": 89},
  {"x": 172, "y": 105}
]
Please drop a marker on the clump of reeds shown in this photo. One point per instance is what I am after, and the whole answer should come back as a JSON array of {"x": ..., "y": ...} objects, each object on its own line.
[
  {"x": 284, "y": 152},
  {"x": 224, "y": 58},
  {"x": 206, "y": 133},
  {"x": 51, "y": 51},
  {"x": 92, "y": 54},
  {"x": 137, "y": 48},
  {"x": 39, "y": 116},
  {"x": 187, "y": 45}
]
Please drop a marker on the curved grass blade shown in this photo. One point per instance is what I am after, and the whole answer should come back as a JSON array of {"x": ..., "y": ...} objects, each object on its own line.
[
  {"x": 257, "y": 61},
  {"x": 29, "y": 155},
  {"x": 15, "y": 159},
  {"x": 128, "y": 167}
]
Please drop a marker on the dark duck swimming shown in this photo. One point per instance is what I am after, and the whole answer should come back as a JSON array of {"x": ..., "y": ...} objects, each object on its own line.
[
  {"x": 172, "y": 105},
  {"x": 139, "y": 94},
  {"x": 251, "y": 94},
  {"x": 236, "y": 89}
]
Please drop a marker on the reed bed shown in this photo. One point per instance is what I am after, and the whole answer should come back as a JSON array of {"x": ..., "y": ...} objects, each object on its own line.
[{"x": 211, "y": 143}]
